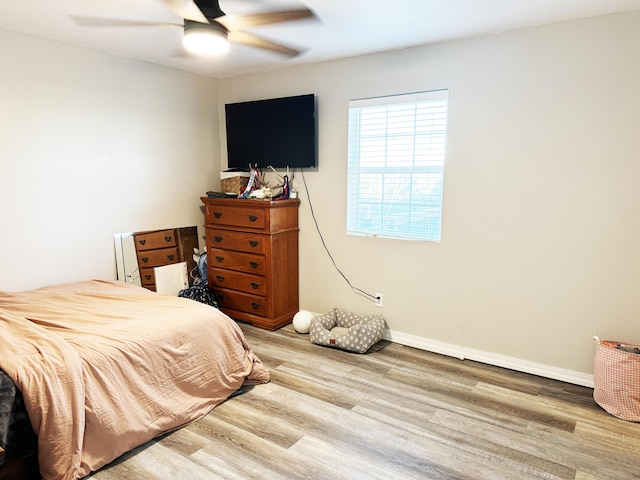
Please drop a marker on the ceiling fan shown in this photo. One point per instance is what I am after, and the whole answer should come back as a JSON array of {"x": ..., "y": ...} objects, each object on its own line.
[{"x": 208, "y": 30}]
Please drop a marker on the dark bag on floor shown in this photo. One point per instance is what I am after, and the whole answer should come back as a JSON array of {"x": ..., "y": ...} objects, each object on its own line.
[{"x": 199, "y": 293}]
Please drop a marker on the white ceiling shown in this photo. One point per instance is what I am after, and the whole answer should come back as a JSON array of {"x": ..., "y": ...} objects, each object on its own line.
[{"x": 344, "y": 28}]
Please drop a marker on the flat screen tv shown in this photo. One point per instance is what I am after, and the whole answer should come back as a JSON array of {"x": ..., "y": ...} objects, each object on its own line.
[{"x": 278, "y": 132}]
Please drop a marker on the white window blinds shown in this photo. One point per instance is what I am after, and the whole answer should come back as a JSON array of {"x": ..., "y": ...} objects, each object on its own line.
[{"x": 396, "y": 165}]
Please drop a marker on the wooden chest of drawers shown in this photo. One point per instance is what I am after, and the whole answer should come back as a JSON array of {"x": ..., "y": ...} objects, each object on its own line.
[
  {"x": 252, "y": 257},
  {"x": 164, "y": 247}
]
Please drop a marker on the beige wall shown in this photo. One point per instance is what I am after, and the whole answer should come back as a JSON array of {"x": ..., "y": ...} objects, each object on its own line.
[
  {"x": 541, "y": 235},
  {"x": 94, "y": 145}
]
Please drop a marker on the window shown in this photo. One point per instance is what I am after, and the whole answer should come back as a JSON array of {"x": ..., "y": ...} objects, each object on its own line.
[{"x": 396, "y": 165}]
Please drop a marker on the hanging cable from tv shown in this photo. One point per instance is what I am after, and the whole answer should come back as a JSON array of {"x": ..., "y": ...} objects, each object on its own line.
[{"x": 315, "y": 221}]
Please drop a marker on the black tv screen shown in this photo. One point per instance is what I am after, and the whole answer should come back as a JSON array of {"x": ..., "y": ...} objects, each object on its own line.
[{"x": 278, "y": 132}]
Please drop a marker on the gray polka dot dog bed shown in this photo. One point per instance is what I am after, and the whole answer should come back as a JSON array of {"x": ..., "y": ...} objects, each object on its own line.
[{"x": 347, "y": 331}]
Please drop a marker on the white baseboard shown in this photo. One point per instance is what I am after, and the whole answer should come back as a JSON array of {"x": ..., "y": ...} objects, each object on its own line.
[{"x": 511, "y": 363}]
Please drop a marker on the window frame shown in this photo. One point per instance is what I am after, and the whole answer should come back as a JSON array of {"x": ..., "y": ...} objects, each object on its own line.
[{"x": 393, "y": 160}]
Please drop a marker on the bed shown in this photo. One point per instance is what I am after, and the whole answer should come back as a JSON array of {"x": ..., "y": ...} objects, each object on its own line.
[{"x": 101, "y": 367}]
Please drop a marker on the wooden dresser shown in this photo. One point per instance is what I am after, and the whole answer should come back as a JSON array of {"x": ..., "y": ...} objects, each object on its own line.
[
  {"x": 252, "y": 257},
  {"x": 157, "y": 248}
]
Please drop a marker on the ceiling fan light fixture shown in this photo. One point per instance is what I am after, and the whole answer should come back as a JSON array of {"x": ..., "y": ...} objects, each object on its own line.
[{"x": 205, "y": 39}]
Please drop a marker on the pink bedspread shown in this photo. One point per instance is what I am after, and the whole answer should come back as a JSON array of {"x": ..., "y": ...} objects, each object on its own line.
[{"x": 106, "y": 366}]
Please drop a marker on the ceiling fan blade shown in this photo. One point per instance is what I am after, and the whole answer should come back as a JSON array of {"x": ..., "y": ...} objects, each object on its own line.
[
  {"x": 252, "y": 40},
  {"x": 84, "y": 21},
  {"x": 186, "y": 9},
  {"x": 210, "y": 8},
  {"x": 244, "y": 22}
]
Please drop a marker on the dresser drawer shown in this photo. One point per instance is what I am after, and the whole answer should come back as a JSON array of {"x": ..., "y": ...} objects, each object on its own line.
[
  {"x": 237, "y": 216},
  {"x": 157, "y": 239},
  {"x": 148, "y": 276},
  {"x": 239, "y": 261},
  {"x": 243, "y": 282},
  {"x": 233, "y": 240},
  {"x": 243, "y": 302},
  {"x": 157, "y": 258}
]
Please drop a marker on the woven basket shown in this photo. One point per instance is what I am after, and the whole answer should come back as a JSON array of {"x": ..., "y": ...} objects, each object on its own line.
[
  {"x": 616, "y": 379},
  {"x": 234, "y": 184}
]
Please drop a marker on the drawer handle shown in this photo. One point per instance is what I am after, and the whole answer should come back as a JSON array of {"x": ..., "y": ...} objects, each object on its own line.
[
  {"x": 219, "y": 259},
  {"x": 145, "y": 259},
  {"x": 218, "y": 238},
  {"x": 254, "y": 264},
  {"x": 253, "y": 218},
  {"x": 171, "y": 256},
  {"x": 217, "y": 214},
  {"x": 142, "y": 242},
  {"x": 147, "y": 276},
  {"x": 253, "y": 243},
  {"x": 220, "y": 278},
  {"x": 255, "y": 305},
  {"x": 255, "y": 285},
  {"x": 168, "y": 238}
]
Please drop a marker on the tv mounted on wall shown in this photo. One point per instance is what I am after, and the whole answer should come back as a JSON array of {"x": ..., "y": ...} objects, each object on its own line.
[{"x": 278, "y": 132}]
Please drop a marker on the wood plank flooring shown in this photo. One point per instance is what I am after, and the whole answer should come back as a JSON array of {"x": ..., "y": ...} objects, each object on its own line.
[{"x": 393, "y": 413}]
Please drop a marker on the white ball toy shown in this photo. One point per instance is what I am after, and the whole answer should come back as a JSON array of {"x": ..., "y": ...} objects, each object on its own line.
[{"x": 302, "y": 321}]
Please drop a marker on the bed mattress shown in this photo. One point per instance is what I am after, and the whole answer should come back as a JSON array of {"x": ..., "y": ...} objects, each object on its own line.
[{"x": 106, "y": 366}]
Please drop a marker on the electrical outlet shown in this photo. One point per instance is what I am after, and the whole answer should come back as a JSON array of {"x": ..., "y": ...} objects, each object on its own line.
[{"x": 378, "y": 300}]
